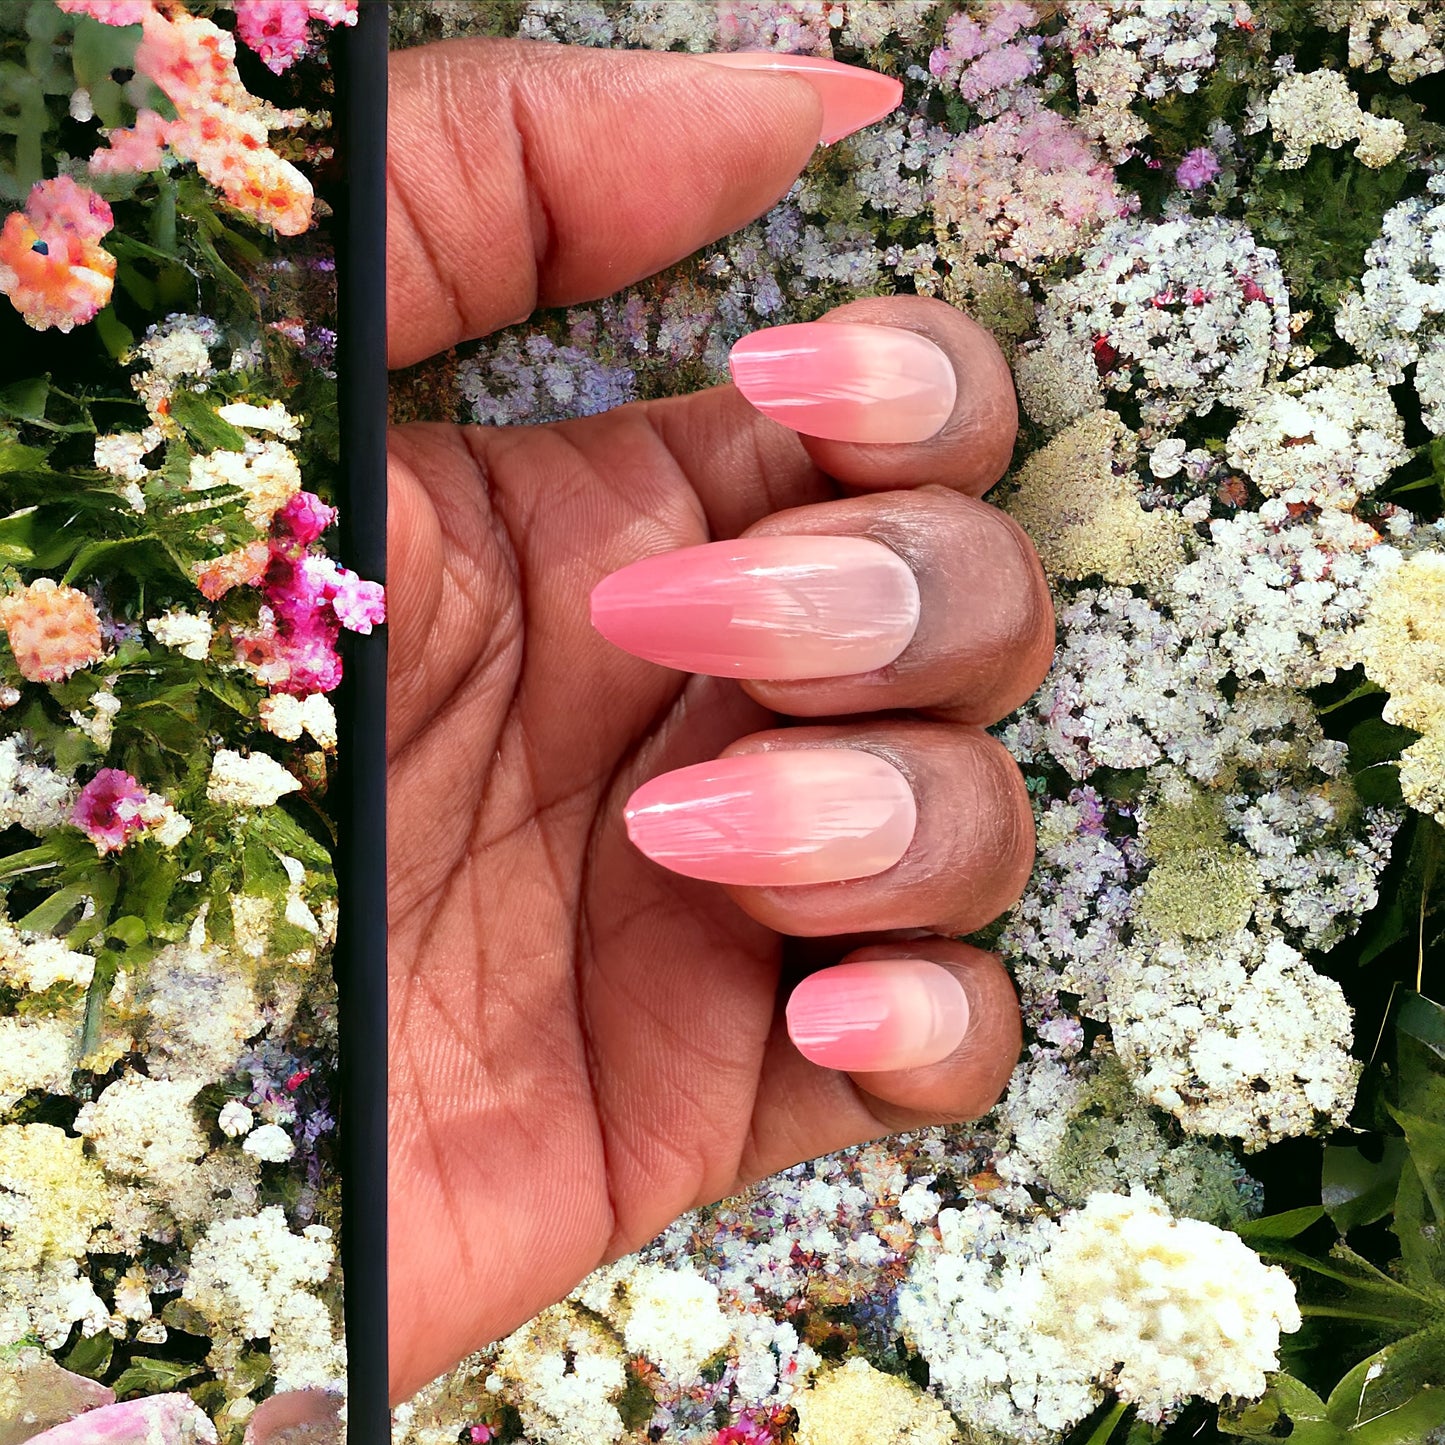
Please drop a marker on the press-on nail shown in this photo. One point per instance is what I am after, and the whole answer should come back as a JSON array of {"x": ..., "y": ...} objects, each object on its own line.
[
  {"x": 794, "y": 815},
  {"x": 763, "y": 607},
  {"x": 847, "y": 381},
  {"x": 895, "y": 1013},
  {"x": 852, "y": 97}
]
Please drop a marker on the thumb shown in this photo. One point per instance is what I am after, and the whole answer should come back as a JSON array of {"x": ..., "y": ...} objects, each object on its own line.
[{"x": 522, "y": 174}]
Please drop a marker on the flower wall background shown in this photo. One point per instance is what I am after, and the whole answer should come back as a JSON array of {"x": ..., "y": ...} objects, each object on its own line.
[
  {"x": 171, "y": 633},
  {"x": 1211, "y": 238}
]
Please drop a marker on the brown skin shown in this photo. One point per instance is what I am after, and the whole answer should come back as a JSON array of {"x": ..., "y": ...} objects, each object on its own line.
[{"x": 585, "y": 1045}]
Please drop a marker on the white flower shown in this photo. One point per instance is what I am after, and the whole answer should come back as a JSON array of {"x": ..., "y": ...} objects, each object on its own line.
[
  {"x": 675, "y": 1320},
  {"x": 273, "y": 417},
  {"x": 1276, "y": 598},
  {"x": 266, "y": 473},
  {"x": 133, "y": 1295},
  {"x": 564, "y": 1373},
  {"x": 1162, "y": 1309},
  {"x": 144, "y": 1127},
  {"x": 241, "y": 781},
  {"x": 270, "y": 1143},
  {"x": 288, "y": 716},
  {"x": 1319, "y": 108},
  {"x": 32, "y": 796},
  {"x": 188, "y": 632},
  {"x": 969, "y": 1308},
  {"x": 39, "y": 963},
  {"x": 36, "y": 1053},
  {"x": 122, "y": 454},
  {"x": 100, "y": 724},
  {"x": 1235, "y": 1036},
  {"x": 1186, "y": 313},
  {"x": 1325, "y": 436},
  {"x": 235, "y": 1118},
  {"x": 252, "y": 1278}
]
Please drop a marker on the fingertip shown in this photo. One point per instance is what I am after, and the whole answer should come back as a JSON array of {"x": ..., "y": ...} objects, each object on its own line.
[{"x": 969, "y": 1081}]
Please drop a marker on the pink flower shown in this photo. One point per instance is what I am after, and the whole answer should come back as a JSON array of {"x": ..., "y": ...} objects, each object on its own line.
[
  {"x": 276, "y": 29},
  {"x": 218, "y": 126},
  {"x": 1027, "y": 189},
  {"x": 161, "y": 1419},
  {"x": 108, "y": 809},
  {"x": 109, "y": 12},
  {"x": 1197, "y": 169},
  {"x": 141, "y": 148},
  {"x": 52, "y": 265}
]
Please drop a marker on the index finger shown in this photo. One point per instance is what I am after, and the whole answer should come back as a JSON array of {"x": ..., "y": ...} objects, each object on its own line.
[{"x": 522, "y": 174}]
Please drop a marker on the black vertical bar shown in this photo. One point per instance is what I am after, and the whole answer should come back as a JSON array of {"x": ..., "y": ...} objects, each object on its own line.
[{"x": 361, "y": 55}]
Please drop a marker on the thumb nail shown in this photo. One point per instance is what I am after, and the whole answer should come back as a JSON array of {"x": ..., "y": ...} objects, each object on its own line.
[{"x": 852, "y": 97}]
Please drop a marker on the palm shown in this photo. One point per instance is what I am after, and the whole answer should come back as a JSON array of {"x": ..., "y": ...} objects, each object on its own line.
[{"x": 578, "y": 1037}]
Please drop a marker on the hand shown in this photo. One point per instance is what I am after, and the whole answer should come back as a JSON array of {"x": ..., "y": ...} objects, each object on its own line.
[{"x": 586, "y": 1043}]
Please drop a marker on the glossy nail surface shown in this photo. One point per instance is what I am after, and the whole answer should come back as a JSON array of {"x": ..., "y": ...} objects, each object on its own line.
[
  {"x": 763, "y": 607},
  {"x": 852, "y": 97},
  {"x": 847, "y": 381},
  {"x": 803, "y": 815},
  {"x": 895, "y": 1013}
]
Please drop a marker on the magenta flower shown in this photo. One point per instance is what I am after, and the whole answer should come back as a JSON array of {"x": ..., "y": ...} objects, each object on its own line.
[
  {"x": 108, "y": 809},
  {"x": 308, "y": 600},
  {"x": 1197, "y": 169},
  {"x": 303, "y": 519}
]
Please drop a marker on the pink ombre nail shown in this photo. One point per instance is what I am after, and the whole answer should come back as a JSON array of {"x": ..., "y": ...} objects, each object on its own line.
[
  {"x": 763, "y": 607},
  {"x": 852, "y": 97},
  {"x": 894, "y": 1013},
  {"x": 847, "y": 381},
  {"x": 796, "y": 815}
]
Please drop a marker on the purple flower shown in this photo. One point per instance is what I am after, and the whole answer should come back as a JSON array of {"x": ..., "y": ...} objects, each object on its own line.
[{"x": 1197, "y": 169}]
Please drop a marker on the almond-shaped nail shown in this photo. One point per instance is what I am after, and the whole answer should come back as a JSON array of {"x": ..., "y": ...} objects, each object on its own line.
[
  {"x": 852, "y": 97},
  {"x": 773, "y": 608},
  {"x": 795, "y": 815},
  {"x": 847, "y": 381},
  {"x": 892, "y": 1013}
]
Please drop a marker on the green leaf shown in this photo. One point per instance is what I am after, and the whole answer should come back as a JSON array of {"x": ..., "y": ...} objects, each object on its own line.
[
  {"x": 1289, "y": 1410},
  {"x": 25, "y": 400},
  {"x": 1288, "y": 1225},
  {"x": 84, "y": 561},
  {"x": 90, "y": 1357},
  {"x": 1406, "y": 1424},
  {"x": 1423, "y": 1019},
  {"x": 1365, "y": 689},
  {"x": 115, "y": 335},
  {"x": 17, "y": 458},
  {"x": 17, "y": 538},
  {"x": 1376, "y": 741},
  {"x": 1385, "y": 1382},
  {"x": 1103, "y": 1432},
  {"x": 287, "y": 836},
  {"x": 146, "y": 1376},
  {"x": 1357, "y": 1191},
  {"x": 198, "y": 417},
  {"x": 128, "y": 931}
]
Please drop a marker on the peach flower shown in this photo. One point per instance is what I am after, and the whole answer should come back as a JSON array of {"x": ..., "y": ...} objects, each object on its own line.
[{"x": 52, "y": 265}]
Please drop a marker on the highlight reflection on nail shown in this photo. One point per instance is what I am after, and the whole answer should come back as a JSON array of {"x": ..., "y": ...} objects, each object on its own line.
[
  {"x": 764, "y": 607},
  {"x": 894, "y": 1013},
  {"x": 791, "y": 816},
  {"x": 847, "y": 381}
]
